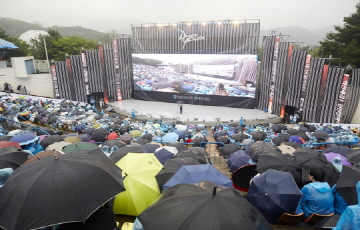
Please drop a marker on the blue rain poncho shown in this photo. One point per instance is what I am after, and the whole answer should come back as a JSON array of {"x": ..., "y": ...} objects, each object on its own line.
[
  {"x": 339, "y": 202},
  {"x": 317, "y": 198},
  {"x": 4, "y": 175},
  {"x": 350, "y": 219}
]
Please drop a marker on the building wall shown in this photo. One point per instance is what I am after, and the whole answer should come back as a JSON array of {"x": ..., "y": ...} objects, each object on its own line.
[
  {"x": 36, "y": 84},
  {"x": 356, "y": 117}
]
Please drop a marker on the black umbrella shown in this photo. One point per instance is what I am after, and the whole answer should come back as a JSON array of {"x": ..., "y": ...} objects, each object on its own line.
[
  {"x": 312, "y": 128},
  {"x": 321, "y": 134},
  {"x": 241, "y": 178},
  {"x": 90, "y": 131},
  {"x": 98, "y": 117},
  {"x": 51, "y": 140},
  {"x": 171, "y": 167},
  {"x": 293, "y": 131},
  {"x": 5, "y": 138},
  {"x": 346, "y": 185},
  {"x": 260, "y": 147},
  {"x": 276, "y": 128},
  {"x": 229, "y": 149},
  {"x": 147, "y": 136},
  {"x": 100, "y": 135},
  {"x": 59, "y": 189},
  {"x": 331, "y": 175},
  {"x": 118, "y": 122},
  {"x": 336, "y": 149},
  {"x": 328, "y": 222},
  {"x": 114, "y": 126},
  {"x": 112, "y": 143},
  {"x": 353, "y": 156},
  {"x": 199, "y": 157},
  {"x": 124, "y": 129},
  {"x": 303, "y": 155},
  {"x": 149, "y": 148},
  {"x": 180, "y": 146},
  {"x": 224, "y": 140},
  {"x": 280, "y": 162},
  {"x": 239, "y": 136},
  {"x": 177, "y": 209},
  {"x": 277, "y": 141},
  {"x": 292, "y": 144},
  {"x": 258, "y": 136},
  {"x": 12, "y": 157},
  {"x": 221, "y": 133},
  {"x": 197, "y": 141},
  {"x": 304, "y": 136},
  {"x": 142, "y": 141},
  {"x": 120, "y": 153},
  {"x": 233, "y": 125}
]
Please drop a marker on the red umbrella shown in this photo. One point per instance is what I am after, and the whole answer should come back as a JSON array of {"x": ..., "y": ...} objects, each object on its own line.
[
  {"x": 112, "y": 136},
  {"x": 4, "y": 144}
]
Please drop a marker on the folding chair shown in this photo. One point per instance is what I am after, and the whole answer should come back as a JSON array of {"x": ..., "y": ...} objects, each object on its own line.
[{"x": 314, "y": 218}]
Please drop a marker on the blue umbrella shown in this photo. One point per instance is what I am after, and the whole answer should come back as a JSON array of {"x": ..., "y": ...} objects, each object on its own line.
[
  {"x": 170, "y": 137},
  {"x": 7, "y": 45},
  {"x": 163, "y": 155},
  {"x": 274, "y": 193},
  {"x": 196, "y": 174},
  {"x": 80, "y": 128},
  {"x": 24, "y": 139},
  {"x": 237, "y": 160}
]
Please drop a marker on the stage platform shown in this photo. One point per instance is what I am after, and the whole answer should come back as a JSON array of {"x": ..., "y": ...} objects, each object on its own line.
[{"x": 192, "y": 113}]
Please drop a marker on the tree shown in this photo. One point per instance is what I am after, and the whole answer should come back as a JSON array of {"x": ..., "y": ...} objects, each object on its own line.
[
  {"x": 345, "y": 42},
  {"x": 23, "y": 49}
]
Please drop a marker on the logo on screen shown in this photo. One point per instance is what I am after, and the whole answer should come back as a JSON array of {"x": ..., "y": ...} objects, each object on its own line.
[{"x": 184, "y": 38}]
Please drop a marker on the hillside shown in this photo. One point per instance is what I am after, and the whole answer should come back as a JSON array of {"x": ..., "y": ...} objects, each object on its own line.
[{"x": 15, "y": 28}]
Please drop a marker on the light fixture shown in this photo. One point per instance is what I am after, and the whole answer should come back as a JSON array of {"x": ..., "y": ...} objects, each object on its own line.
[
  {"x": 204, "y": 23},
  {"x": 219, "y": 23},
  {"x": 189, "y": 24}
]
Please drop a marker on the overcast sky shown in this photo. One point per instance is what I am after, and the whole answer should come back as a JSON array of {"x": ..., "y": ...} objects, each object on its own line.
[{"x": 106, "y": 15}]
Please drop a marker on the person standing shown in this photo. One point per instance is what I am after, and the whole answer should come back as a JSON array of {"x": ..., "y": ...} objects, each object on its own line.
[
  {"x": 181, "y": 109},
  {"x": 6, "y": 86}
]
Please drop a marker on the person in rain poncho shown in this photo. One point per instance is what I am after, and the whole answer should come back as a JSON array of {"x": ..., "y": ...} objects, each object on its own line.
[
  {"x": 350, "y": 219},
  {"x": 317, "y": 196}
]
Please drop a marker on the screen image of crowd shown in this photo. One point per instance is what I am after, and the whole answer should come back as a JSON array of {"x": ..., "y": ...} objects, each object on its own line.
[{"x": 224, "y": 75}]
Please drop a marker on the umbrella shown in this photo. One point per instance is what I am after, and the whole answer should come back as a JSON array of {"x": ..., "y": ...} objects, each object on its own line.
[
  {"x": 237, "y": 160},
  {"x": 163, "y": 155},
  {"x": 139, "y": 172},
  {"x": 80, "y": 128},
  {"x": 112, "y": 136},
  {"x": 297, "y": 139},
  {"x": 65, "y": 188},
  {"x": 221, "y": 133},
  {"x": 223, "y": 139},
  {"x": 180, "y": 146},
  {"x": 150, "y": 148},
  {"x": 24, "y": 139},
  {"x": 276, "y": 128},
  {"x": 78, "y": 146},
  {"x": 293, "y": 131},
  {"x": 96, "y": 126},
  {"x": 58, "y": 145},
  {"x": 346, "y": 184},
  {"x": 328, "y": 222},
  {"x": 197, "y": 141},
  {"x": 239, "y": 136},
  {"x": 123, "y": 151},
  {"x": 329, "y": 156},
  {"x": 199, "y": 157},
  {"x": 291, "y": 144},
  {"x": 229, "y": 149},
  {"x": 258, "y": 136},
  {"x": 172, "y": 149},
  {"x": 12, "y": 157},
  {"x": 85, "y": 137},
  {"x": 321, "y": 134},
  {"x": 147, "y": 136},
  {"x": 196, "y": 174},
  {"x": 72, "y": 139},
  {"x": 124, "y": 129},
  {"x": 286, "y": 149},
  {"x": 114, "y": 126},
  {"x": 100, "y": 135},
  {"x": 171, "y": 167},
  {"x": 136, "y": 133},
  {"x": 90, "y": 131},
  {"x": 48, "y": 140},
  {"x": 331, "y": 175},
  {"x": 336, "y": 149},
  {"x": 5, "y": 138},
  {"x": 170, "y": 137},
  {"x": 14, "y": 132},
  {"x": 241, "y": 178},
  {"x": 260, "y": 147},
  {"x": 112, "y": 143},
  {"x": 40, "y": 155},
  {"x": 303, "y": 155},
  {"x": 202, "y": 206},
  {"x": 4, "y": 144},
  {"x": 142, "y": 141},
  {"x": 7, "y": 45},
  {"x": 274, "y": 193},
  {"x": 280, "y": 162},
  {"x": 127, "y": 138}
]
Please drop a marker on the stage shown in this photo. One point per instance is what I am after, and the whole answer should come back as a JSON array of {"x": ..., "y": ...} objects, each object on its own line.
[{"x": 204, "y": 114}]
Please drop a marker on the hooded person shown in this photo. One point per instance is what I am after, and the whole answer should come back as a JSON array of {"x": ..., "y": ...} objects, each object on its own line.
[
  {"x": 350, "y": 219},
  {"x": 317, "y": 195}
]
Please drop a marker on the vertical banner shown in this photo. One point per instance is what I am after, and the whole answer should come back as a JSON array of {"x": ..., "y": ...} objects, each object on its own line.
[
  {"x": 342, "y": 94},
  {"x": 273, "y": 74},
  {"x": 304, "y": 83},
  {"x": 71, "y": 78},
  {"x": 321, "y": 92},
  {"x": 103, "y": 74},
  {"x": 117, "y": 69},
  {"x": 86, "y": 73},
  {"x": 286, "y": 80},
  {"x": 55, "y": 81}
]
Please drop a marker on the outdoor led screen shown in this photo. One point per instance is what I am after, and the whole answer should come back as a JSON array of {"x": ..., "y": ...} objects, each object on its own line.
[{"x": 205, "y": 74}]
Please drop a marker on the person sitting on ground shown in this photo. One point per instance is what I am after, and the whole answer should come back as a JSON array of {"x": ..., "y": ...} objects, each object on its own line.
[{"x": 317, "y": 195}]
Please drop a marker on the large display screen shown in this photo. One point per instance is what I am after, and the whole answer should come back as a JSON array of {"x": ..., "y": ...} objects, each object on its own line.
[{"x": 205, "y": 74}]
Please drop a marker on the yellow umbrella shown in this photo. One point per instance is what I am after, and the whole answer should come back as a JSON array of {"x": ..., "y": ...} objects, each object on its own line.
[
  {"x": 138, "y": 170},
  {"x": 96, "y": 125},
  {"x": 72, "y": 139},
  {"x": 22, "y": 97},
  {"x": 136, "y": 133}
]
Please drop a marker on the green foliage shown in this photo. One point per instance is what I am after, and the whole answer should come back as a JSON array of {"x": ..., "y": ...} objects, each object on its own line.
[
  {"x": 345, "y": 42},
  {"x": 23, "y": 47}
]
